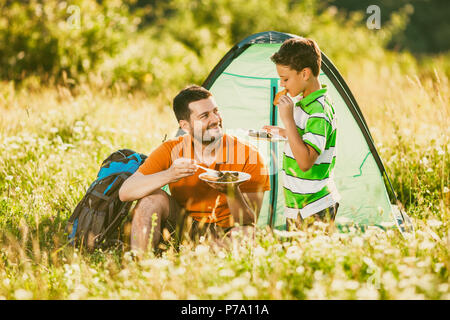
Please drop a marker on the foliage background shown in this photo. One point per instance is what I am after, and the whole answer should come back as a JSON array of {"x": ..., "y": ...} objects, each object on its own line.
[{"x": 71, "y": 93}]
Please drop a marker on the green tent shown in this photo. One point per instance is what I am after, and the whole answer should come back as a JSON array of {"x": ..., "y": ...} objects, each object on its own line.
[{"x": 244, "y": 84}]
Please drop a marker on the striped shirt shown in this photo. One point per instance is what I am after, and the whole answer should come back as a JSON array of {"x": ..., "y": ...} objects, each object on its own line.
[{"x": 314, "y": 190}]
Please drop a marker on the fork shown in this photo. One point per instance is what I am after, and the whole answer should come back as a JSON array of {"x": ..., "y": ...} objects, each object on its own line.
[{"x": 211, "y": 171}]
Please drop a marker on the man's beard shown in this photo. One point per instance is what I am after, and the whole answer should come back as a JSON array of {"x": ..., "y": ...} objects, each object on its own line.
[{"x": 211, "y": 135}]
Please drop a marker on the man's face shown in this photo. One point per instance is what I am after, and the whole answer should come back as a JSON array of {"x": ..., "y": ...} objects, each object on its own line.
[
  {"x": 294, "y": 81},
  {"x": 205, "y": 123}
]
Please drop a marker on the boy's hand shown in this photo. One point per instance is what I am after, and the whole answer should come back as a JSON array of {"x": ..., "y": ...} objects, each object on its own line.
[
  {"x": 286, "y": 108},
  {"x": 276, "y": 130},
  {"x": 182, "y": 167}
]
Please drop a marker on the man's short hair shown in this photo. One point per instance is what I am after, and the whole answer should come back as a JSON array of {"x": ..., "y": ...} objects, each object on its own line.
[
  {"x": 299, "y": 53},
  {"x": 189, "y": 94}
]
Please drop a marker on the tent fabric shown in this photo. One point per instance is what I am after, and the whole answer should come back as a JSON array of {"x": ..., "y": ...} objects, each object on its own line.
[{"x": 244, "y": 84}]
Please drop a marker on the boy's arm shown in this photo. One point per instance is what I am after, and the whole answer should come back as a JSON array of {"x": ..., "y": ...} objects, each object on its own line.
[{"x": 304, "y": 154}]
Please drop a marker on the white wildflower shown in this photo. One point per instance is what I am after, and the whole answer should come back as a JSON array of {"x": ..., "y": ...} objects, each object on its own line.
[
  {"x": 279, "y": 285},
  {"x": 77, "y": 129},
  {"x": 318, "y": 275},
  {"x": 388, "y": 280},
  {"x": 278, "y": 247},
  {"x": 358, "y": 241},
  {"x": 425, "y": 245},
  {"x": 22, "y": 294},
  {"x": 318, "y": 292},
  {"x": 125, "y": 273},
  {"x": 168, "y": 295},
  {"x": 438, "y": 266},
  {"x": 367, "y": 293},
  {"x": 259, "y": 252},
  {"x": 201, "y": 250},
  {"x": 293, "y": 253},
  {"x": 443, "y": 287},
  {"x": 434, "y": 223},
  {"x": 226, "y": 273},
  {"x": 250, "y": 292},
  {"x": 351, "y": 285},
  {"x": 235, "y": 295},
  {"x": 239, "y": 282},
  {"x": 215, "y": 291},
  {"x": 409, "y": 293},
  {"x": 179, "y": 271},
  {"x": 337, "y": 284},
  {"x": 424, "y": 161},
  {"x": 300, "y": 269}
]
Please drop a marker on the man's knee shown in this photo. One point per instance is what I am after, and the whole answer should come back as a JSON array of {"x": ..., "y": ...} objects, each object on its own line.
[{"x": 157, "y": 202}]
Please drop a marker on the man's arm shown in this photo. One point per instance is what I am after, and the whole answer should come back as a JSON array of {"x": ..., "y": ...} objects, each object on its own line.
[{"x": 138, "y": 185}]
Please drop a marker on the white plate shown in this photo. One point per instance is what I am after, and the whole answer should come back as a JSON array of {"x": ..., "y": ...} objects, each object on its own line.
[
  {"x": 275, "y": 137},
  {"x": 243, "y": 176}
]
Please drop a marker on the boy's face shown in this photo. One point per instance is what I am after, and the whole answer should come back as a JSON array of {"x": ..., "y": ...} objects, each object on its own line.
[
  {"x": 205, "y": 123},
  {"x": 292, "y": 80}
]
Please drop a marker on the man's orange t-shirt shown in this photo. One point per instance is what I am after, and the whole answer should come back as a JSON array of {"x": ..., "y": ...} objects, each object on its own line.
[{"x": 194, "y": 195}]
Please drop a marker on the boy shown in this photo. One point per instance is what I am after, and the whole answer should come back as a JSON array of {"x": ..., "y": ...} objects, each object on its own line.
[{"x": 310, "y": 127}]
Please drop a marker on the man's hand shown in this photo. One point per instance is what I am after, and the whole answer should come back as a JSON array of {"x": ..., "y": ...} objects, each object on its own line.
[
  {"x": 181, "y": 168},
  {"x": 276, "y": 130},
  {"x": 229, "y": 189},
  {"x": 286, "y": 108}
]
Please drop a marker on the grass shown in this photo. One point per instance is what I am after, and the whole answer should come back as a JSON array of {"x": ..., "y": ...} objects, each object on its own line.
[{"x": 52, "y": 142}]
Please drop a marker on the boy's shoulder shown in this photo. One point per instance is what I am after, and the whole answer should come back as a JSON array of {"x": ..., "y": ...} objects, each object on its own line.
[{"x": 322, "y": 105}]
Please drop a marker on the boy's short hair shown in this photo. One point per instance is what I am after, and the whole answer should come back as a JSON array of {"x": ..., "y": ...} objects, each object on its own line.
[
  {"x": 189, "y": 94},
  {"x": 299, "y": 53}
]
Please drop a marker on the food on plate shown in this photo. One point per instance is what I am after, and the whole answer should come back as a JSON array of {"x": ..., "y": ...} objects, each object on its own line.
[
  {"x": 229, "y": 176},
  {"x": 260, "y": 134}
]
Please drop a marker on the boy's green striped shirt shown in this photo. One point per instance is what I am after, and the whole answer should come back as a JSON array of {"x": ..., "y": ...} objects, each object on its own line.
[{"x": 314, "y": 190}]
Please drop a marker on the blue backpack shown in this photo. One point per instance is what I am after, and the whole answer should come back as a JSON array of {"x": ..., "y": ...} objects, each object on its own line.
[{"x": 96, "y": 220}]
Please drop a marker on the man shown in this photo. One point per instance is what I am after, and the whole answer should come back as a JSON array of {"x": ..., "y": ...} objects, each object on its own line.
[{"x": 213, "y": 207}]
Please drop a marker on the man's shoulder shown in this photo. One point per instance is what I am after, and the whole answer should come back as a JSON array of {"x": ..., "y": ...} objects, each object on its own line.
[{"x": 170, "y": 143}]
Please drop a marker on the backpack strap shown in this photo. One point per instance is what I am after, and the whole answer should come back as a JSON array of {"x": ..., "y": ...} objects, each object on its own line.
[{"x": 99, "y": 195}]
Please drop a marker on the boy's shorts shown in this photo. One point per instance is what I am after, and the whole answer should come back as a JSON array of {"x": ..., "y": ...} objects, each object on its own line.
[{"x": 326, "y": 215}]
